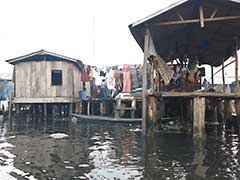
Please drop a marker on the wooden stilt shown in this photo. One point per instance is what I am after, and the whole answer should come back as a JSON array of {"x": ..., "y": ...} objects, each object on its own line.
[
  {"x": 237, "y": 101},
  {"x": 161, "y": 112},
  {"x": 118, "y": 106},
  {"x": 45, "y": 113},
  {"x": 17, "y": 111},
  {"x": 223, "y": 77},
  {"x": 212, "y": 76},
  {"x": 88, "y": 107},
  {"x": 144, "y": 82},
  {"x": 199, "y": 117},
  {"x": 34, "y": 114},
  {"x": 190, "y": 110},
  {"x": 53, "y": 115},
  {"x": 70, "y": 109},
  {"x": 101, "y": 108},
  {"x": 228, "y": 113},
  {"x": 10, "y": 109},
  {"x": 133, "y": 106}
]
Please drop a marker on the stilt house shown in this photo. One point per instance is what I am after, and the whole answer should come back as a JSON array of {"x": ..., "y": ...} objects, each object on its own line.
[
  {"x": 44, "y": 77},
  {"x": 205, "y": 31}
]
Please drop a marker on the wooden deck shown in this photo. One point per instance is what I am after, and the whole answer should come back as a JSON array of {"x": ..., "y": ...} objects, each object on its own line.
[
  {"x": 196, "y": 94},
  {"x": 43, "y": 100}
]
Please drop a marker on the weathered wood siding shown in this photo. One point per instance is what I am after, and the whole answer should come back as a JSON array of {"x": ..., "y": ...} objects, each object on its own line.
[{"x": 33, "y": 79}]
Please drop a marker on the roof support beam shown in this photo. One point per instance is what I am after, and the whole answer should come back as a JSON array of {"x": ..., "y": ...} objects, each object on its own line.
[
  {"x": 180, "y": 16},
  {"x": 201, "y": 16},
  {"x": 192, "y": 21},
  {"x": 214, "y": 13}
]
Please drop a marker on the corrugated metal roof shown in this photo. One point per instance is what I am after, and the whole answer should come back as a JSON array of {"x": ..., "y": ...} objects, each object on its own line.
[
  {"x": 157, "y": 13},
  {"x": 211, "y": 44},
  {"x": 165, "y": 10}
]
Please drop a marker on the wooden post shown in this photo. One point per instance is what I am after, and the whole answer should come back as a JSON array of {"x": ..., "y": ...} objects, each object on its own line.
[
  {"x": 228, "y": 113},
  {"x": 70, "y": 109},
  {"x": 223, "y": 77},
  {"x": 161, "y": 112},
  {"x": 144, "y": 82},
  {"x": 212, "y": 76},
  {"x": 53, "y": 115},
  {"x": 17, "y": 111},
  {"x": 88, "y": 107},
  {"x": 198, "y": 117},
  {"x": 101, "y": 108},
  {"x": 10, "y": 108},
  {"x": 133, "y": 106},
  {"x": 118, "y": 106},
  {"x": 201, "y": 16},
  {"x": 152, "y": 113},
  {"x": 34, "y": 114},
  {"x": 237, "y": 91},
  {"x": 45, "y": 113}
]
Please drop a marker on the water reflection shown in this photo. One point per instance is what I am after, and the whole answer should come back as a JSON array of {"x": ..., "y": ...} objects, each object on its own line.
[{"x": 113, "y": 152}]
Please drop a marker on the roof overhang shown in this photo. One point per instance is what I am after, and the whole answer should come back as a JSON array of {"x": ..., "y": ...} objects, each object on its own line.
[
  {"x": 44, "y": 55},
  {"x": 177, "y": 31}
]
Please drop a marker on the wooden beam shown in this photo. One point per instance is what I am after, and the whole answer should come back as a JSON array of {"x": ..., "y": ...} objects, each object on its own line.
[
  {"x": 223, "y": 77},
  {"x": 180, "y": 16},
  {"x": 214, "y": 13},
  {"x": 212, "y": 76},
  {"x": 144, "y": 82},
  {"x": 224, "y": 67},
  {"x": 201, "y": 16},
  {"x": 191, "y": 21}
]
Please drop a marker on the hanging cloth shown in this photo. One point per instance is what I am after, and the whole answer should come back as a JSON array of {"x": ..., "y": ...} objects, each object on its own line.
[
  {"x": 126, "y": 80},
  {"x": 165, "y": 71}
]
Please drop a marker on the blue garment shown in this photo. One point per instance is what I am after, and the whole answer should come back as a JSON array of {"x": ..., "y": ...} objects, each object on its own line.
[{"x": 83, "y": 95}]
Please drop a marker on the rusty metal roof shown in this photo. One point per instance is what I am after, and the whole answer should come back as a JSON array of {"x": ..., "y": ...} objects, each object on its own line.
[{"x": 211, "y": 44}]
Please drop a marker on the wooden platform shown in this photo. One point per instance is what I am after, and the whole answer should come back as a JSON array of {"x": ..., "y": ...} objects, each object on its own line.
[
  {"x": 90, "y": 118},
  {"x": 43, "y": 100},
  {"x": 196, "y": 94}
]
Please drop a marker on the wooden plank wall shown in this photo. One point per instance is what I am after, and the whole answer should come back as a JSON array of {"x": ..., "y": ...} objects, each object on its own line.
[{"x": 33, "y": 79}]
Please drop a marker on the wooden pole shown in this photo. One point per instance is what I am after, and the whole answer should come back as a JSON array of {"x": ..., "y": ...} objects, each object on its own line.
[
  {"x": 212, "y": 76},
  {"x": 236, "y": 67},
  {"x": 45, "y": 113},
  {"x": 133, "y": 106},
  {"x": 237, "y": 102},
  {"x": 201, "y": 16},
  {"x": 70, "y": 109},
  {"x": 192, "y": 21},
  {"x": 198, "y": 117},
  {"x": 101, "y": 108},
  {"x": 144, "y": 82},
  {"x": 223, "y": 77},
  {"x": 88, "y": 107},
  {"x": 10, "y": 108},
  {"x": 17, "y": 111}
]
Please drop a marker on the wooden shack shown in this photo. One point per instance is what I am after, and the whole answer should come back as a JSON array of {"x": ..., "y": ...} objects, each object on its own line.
[
  {"x": 44, "y": 79},
  {"x": 206, "y": 31}
]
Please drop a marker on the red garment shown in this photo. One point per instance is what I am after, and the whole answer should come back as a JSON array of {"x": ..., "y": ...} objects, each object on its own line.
[
  {"x": 84, "y": 76},
  {"x": 126, "y": 79}
]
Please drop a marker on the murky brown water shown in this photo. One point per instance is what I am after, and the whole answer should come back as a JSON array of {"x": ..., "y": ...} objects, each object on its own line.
[{"x": 113, "y": 152}]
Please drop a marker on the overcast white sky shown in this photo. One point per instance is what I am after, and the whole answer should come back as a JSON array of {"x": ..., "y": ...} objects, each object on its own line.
[{"x": 66, "y": 27}]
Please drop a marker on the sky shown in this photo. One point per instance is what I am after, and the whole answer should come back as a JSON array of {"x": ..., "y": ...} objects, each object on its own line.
[{"x": 67, "y": 27}]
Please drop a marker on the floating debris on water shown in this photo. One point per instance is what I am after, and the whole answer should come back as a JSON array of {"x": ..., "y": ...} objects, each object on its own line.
[
  {"x": 83, "y": 165},
  {"x": 58, "y": 135}
]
